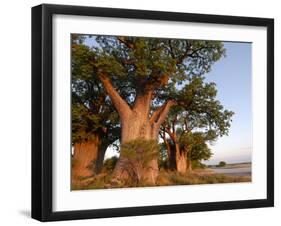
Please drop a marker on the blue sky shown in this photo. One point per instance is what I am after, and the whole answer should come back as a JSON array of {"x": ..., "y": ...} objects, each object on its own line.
[{"x": 232, "y": 74}]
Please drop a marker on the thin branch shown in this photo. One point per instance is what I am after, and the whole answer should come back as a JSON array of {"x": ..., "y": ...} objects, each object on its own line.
[
  {"x": 185, "y": 54},
  {"x": 163, "y": 114},
  {"x": 81, "y": 102},
  {"x": 171, "y": 49},
  {"x": 125, "y": 42},
  {"x": 174, "y": 121}
]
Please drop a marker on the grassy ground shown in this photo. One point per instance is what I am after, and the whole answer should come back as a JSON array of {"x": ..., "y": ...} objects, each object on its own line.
[{"x": 165, "y": 178}]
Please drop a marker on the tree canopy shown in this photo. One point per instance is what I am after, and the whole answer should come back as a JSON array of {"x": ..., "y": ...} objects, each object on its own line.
[
  {"x": 135, "y": 64},
  {"x": 198, "y": 108},
  {"x": 92, "y": 111},
  {"x": 196, "y": 144}
]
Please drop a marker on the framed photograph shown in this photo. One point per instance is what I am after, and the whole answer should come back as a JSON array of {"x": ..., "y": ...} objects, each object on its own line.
[{"x": 146, "y": 112}]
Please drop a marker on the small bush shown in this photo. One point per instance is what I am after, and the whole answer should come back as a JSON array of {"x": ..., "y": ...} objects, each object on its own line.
[
  {"x": 109, "y": 164},
  {"x": 198, "y": 165},
  {"x": 163, "y": 164},
  {"x": 138, "y": 154},
  {"x": 222, "y": 164}
]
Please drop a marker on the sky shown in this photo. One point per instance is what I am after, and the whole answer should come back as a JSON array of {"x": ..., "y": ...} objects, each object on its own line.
[{"x": 232, "y": 74}]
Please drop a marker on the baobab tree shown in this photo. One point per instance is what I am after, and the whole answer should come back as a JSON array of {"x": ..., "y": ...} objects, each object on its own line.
[
  {"x": 198, "y": 118},
  {"x": 150, "y": 70},
  {"x": 95, "y": 125},
  {"x": 194, "y": 145}
]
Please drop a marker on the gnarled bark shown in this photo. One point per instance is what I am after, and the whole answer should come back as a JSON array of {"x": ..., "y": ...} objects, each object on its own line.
[
  {"x": 136, "y": 124},
  {"x": 87, "y": 159},
  {"x": 177, "y": 157},
  {"x": 172, "y": 164},
  {"x": 181, "y": 160}
]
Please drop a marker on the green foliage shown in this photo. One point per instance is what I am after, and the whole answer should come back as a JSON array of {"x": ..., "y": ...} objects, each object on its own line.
[
  {"x": 198, "y": 165},
  {"x": 153, "y": 57},
  {"x": 109, "y": 164},
  {"x": 92, "y": 112},
  {"x": 134, "y": 64},
  {"x": 195, "y": 145},
  {"x": 199, "y": 109},
  {"x": 140, "y": 150},
  {"x": 163, "y": 157},
  {"x": 222, "y": 164},
  {"x": 138, "y": 154},
  {"x": 197, "y": 119}
]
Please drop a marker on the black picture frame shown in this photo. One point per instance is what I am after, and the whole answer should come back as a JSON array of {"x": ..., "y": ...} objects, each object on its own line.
[{"x": 42, "y": 111}]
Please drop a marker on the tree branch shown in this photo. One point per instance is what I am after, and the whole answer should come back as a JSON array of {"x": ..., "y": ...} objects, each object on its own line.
[
  {"x": 125, "y": 42},
  {"x": 162, "y": 114},
  {"x": 156, "y": 114},
  {"x": 193, "y": 54},
  {"x": 168, "y": 146},
  {"x": 171, "y": 49},
  {"x": 119, "y": 103},
  {"x": 185, "y": 54},
  {"x": 174, "y": 121},
  {"x": 171, "y": 134}
]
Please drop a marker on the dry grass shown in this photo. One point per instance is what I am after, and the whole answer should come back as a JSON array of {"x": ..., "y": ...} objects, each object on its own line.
[
  {"x": 198, "y": 177},
  {"x": 165, "y": 178}
]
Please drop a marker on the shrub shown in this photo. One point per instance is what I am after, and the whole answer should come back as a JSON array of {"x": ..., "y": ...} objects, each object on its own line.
[
  {"x": 138, "y": 154},
  {"x": 198, "y": 165},
  {"x": 222, "y": 164},
  {"x": 109, "y": 164}
]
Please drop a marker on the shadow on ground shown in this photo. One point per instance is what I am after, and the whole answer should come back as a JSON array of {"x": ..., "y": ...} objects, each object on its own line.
[{"x": 25, "y": 213}]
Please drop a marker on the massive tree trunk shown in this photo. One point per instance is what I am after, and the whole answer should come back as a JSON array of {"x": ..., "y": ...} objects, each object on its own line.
[
  {"x": 181, "y": 160},
  {"x": 172, "y": 160},
  {"x": 87, "y": 159},
  {"x": 172, "y": 164},
  {"x": 100, "y": 159},
  {"x": 177, "y": 157},
  {"x": 134, "y": 127},
  {"x": 136, "y": 123}
]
